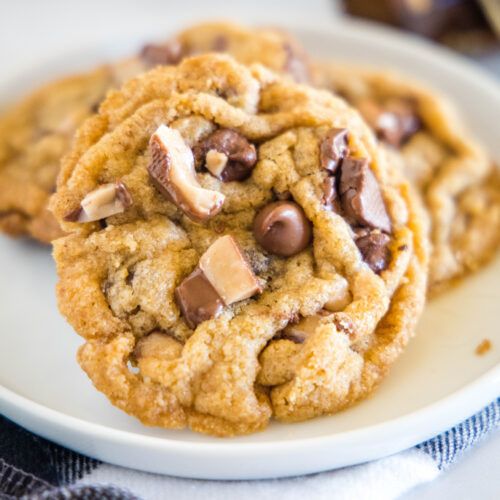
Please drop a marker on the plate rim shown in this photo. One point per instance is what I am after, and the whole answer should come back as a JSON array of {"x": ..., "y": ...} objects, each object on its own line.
[{"x": 430, "y": 419}]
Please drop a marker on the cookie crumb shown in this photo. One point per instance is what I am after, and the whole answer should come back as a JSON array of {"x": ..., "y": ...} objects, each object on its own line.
[{"x": 483, "y": 347}]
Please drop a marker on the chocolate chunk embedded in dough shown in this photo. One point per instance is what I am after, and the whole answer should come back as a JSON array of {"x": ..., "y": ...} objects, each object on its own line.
[
  {"x": 197, "y": 299},
  {"x": 334, "y": 148},
  {"x": 375, "y": 251},
  {"x": 172, "y": 172},
  {"x": 361, "y": 197},
  {"x": 241, "y": 154}
]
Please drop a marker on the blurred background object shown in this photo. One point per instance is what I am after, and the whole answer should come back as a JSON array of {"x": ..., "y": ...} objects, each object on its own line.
[{"x": 470, "y": 26}]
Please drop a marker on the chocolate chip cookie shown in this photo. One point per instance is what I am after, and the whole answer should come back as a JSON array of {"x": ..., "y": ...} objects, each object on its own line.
[
  {"x": 459, "y": 185},
  {"x": 239, "y": 248},
  {"x": 37, "y": 132},
  {"x": 34, "y": 135}
]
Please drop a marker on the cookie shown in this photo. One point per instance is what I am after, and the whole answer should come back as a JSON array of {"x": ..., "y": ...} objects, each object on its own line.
[
  {"x": 37, "y": 132},
  {"x": 239, "y": 249},
  {"x": 34, "y": 135},
  {"x": 455, "y": 178}
]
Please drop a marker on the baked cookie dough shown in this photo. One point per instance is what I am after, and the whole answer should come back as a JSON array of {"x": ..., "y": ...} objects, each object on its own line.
[
  {"x": 239, "y": 248},
  {"x": 34, "y": 135},
  {"x": 37, "y": 132},
  {"x": 459, "y": 185}
]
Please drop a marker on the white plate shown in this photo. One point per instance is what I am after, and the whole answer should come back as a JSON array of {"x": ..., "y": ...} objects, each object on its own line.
[{"x": 436, "y": 383}]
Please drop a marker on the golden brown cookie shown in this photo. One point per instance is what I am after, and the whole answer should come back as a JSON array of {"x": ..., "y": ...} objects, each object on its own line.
[
  {"x": 37, "y": 132},
  {"x": 34, "y": 135},
  {"x": 458, "y": 183},
  {"x": 222, "y": 220}
]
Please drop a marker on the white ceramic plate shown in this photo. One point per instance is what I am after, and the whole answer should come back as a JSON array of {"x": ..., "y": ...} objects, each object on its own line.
[{"x": 435, "y": 384}]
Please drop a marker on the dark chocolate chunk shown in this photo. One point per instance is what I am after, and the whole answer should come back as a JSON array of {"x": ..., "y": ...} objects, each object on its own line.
[
  {"x": 197, "y": 299},
  {"x": 167, "y": 53},
  {"x": 361, "y": 197}
]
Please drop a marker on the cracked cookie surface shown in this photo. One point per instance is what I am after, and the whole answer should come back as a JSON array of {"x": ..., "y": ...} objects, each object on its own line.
[
  {"x": 458, "y": 184},
  {"x": 191, "y": 296}
]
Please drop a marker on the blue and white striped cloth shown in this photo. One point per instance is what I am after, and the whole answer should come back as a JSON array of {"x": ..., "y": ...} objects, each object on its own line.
[{"x": 34, "y": 469}]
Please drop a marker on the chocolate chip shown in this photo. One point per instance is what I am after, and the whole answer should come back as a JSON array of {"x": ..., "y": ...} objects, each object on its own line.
[
  {"x": 360, "y": 195},
  {"x": 334, "y": 148},
  {"x": 167, "y": 53},
  {"x": 241, "y": 154},
  {"x": 282, "y": 228},
  {"x": 197, "y": 299},
  {"x": 375, "y": 251}
]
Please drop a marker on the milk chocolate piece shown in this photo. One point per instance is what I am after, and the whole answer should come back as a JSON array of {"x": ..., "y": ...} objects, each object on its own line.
[
  {"x": 228, "y": 271},
  {"x": 197, "y": 299},
  {"x": 375, "y": 251},
  {"x": 361, "y": 197},
  {"x": 333, "y": 149},
  {"x": 104, "y": 201},
  {"x": 173, "y": 174},
  {"x": 282, "y": 228},
  {"x": 241, "y": 154}
]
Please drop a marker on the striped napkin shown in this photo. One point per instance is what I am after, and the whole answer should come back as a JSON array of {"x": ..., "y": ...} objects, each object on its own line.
[{"x": 34, "y": 469}]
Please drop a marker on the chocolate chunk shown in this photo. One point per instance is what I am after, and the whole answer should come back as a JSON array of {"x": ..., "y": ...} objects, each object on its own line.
[
  {"x": 431, "y": 18},
  {"x": 167, "y": 53},
  {"x": 296, "y": 64},
  {"x": 282, "y": 228},
  {"x": 197, "y": 299},
  {"x": 360, "y": 195},
  {"x": 407, "y": 119},
  {"x": 123, "y": 195},
  {"x": 334, "y": 148},
  {"x": 241, "y": 154},
  {"x": 74, "y": 215},
  {"x": 220, "y": 44},
  {"x": 104, "y": 201},
  {"x": 394, "y": 122},
  {"x": 228, "y": 271},
  {"x": 330, "y": 195},
  {"x": 172, "y": 172},
  {"x": 375, "y": 251}
]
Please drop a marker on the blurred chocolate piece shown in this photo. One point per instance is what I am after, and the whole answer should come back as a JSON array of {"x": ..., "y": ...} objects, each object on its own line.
[
  {"x": 459, "y": 23},
  {"x": 167, "y": 53},
  {"x": 394, "y": 122}
]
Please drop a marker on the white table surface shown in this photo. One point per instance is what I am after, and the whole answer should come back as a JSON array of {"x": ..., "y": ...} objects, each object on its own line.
[{"x": 63, "y": 27}]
